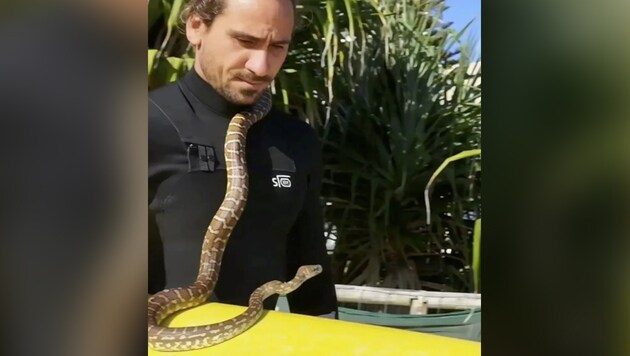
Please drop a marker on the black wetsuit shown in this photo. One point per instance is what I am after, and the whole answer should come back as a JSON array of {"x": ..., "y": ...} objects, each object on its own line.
[{"x": 281, "y": 227}]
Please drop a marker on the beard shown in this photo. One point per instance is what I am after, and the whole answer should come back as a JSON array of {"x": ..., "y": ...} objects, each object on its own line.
[
  {"x": 227, "y": 89},
  {"x": 239, "y": 96}
]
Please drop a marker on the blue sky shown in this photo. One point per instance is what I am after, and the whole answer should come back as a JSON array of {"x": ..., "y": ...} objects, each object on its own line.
[{"x": 461, "y": 12}]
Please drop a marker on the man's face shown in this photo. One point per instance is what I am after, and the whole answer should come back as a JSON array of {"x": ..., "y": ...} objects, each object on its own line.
[{"x": 242, "y": 50}]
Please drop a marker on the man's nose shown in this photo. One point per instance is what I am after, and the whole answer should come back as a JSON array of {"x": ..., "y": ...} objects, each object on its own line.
[{"x": 258, "y": 63}]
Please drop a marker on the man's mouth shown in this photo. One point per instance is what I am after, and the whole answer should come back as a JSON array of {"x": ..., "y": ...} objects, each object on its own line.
[{"x": 254, "y": 83}]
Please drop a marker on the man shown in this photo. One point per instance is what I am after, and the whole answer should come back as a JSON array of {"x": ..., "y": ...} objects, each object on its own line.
[{"x": 240, "y": 46}]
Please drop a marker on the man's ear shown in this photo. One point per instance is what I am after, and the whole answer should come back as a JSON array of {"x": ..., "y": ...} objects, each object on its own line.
[{"x": 195, "y": 27}]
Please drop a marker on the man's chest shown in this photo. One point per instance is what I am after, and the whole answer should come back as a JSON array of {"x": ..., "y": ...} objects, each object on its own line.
[{"x": 192, "y": 188}]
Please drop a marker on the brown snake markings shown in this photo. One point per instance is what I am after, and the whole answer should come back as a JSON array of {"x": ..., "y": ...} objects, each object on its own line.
[{"x": 169, "y": 301}]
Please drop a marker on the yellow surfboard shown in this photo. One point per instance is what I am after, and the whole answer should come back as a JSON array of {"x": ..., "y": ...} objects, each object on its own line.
[{"x": 280, "y": 333}]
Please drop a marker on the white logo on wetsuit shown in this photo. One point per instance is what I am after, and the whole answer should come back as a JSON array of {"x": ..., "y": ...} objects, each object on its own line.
[{"x": 281, "y": 181}]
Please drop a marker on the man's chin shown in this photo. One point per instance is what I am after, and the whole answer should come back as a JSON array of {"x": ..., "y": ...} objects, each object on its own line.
[{"x": 244, "y": 97}]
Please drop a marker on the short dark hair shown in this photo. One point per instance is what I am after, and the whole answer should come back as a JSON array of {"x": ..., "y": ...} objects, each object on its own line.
[{"x": 207, "y": 10}]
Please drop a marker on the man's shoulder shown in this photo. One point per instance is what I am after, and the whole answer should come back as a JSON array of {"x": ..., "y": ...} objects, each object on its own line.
[
  {"x": 165, "y": 92},
  {"x": 163, "y": 104},
  {"x": 167, "y": 102}
]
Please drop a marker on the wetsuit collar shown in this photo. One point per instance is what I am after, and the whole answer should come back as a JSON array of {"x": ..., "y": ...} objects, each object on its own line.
[{"x": 209, "y": 96}]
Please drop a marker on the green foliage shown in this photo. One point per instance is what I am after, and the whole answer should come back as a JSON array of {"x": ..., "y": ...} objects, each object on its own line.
[
  {"x": 476, "y": 261},
  {"x": 395, "y": 110},
  {"x": 170, "y": 56},
  {"x": 393, "y": 93},
  {"x": 477, "y": 255}
]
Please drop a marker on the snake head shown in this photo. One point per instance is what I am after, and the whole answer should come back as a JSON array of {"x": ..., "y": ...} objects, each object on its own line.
[{"x": 309, "y": 271}]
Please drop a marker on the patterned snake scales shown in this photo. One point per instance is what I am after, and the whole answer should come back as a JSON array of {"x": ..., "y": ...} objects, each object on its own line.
[{"x": 169, "y": 301}]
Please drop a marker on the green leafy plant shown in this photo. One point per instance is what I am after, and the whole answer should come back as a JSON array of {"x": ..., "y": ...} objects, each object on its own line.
[
  {"x": 476, "y": 259},
  {"x": 399, "y": 106}
]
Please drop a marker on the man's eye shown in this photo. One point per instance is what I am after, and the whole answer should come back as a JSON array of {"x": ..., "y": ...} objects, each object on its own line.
[{"x": 246, "y": 42}]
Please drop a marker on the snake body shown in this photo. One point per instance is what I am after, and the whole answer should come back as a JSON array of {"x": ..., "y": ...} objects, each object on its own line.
[{"x": 166, "y": 302}]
